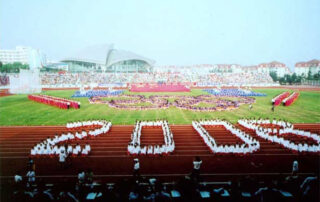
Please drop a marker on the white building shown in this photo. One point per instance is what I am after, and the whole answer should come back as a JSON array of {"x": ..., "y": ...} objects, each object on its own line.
[
  {"x": 25, "y": 55},
  {"x": 303, "y": 68},
  {"x": 279, "y": 68},
  {"x": 107, "y": 59}
]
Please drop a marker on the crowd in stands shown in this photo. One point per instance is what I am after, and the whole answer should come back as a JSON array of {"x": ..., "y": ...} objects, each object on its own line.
[
  {"x": 276, "y": 134},
  {"x": 97, "y": 93},
  {"x": 156, "y": 77},
  {"x": 233, "y": 92},
  {"x": 249, "y": 144},
  {"x": 4, "y": 80},
  {"x": 61, "y": 103},
  {"x": 135, "y": 147}
]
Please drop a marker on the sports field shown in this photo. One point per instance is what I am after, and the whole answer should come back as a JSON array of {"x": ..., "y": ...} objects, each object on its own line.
[{"x": 18, "y": 110}]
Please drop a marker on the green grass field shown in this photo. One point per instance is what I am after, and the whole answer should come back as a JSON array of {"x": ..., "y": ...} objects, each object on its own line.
[{"x": 18, "y": 110}]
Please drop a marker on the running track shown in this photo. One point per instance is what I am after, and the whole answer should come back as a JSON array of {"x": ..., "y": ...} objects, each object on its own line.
[{"x": 109, "y": 159}]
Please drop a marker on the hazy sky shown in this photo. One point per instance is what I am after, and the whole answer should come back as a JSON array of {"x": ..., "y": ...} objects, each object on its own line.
[{"x": 173, "y": 32}]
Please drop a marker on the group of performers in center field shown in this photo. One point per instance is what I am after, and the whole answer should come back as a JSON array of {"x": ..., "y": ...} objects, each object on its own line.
[{"x": 55, "y": 101}]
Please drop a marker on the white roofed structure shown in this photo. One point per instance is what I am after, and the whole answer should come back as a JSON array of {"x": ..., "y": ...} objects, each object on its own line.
[{"x": 107, "y": 59}]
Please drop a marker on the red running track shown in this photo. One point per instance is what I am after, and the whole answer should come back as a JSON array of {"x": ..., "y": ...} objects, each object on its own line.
[{"x": 109, "y": 159}]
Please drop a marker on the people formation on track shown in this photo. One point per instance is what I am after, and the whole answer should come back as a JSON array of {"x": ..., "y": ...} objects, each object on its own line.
[
  {"x": 135, "y": 147},
  {"x": 271, "y": 130}
]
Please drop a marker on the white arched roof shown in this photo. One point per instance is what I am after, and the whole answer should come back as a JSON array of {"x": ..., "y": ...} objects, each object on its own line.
[
  {"x": 106, "y": 55},
  {"x": 116, "y": 56}
]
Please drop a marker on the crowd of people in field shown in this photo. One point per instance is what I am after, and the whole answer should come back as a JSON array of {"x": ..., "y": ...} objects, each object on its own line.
[{"x": 203, "y": 103}]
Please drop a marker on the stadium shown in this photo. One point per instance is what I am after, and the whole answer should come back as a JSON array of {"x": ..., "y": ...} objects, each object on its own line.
[
  {"x": 70, "y": 102},
  {"x": 103, "y": 123}
]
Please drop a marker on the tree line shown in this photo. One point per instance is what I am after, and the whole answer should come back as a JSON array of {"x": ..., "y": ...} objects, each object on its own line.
[
  {"x": 12, "y": 67},
  {"x": 294, "y": 78}
]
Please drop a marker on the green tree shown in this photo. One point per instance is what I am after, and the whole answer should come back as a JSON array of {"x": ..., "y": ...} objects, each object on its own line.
[
  {"x": 288, "y": 79},
  {"x": 294, "y": 78},
  {"x": 282, "y": 80},
  {"x": 317, "y": 76},
  {"x": 309, "y": 75},
  {"x": 13, "y": 67},
  {"x": 274, "y": 76}
]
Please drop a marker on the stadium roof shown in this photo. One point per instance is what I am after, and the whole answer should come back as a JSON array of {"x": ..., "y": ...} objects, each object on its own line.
[
  {"x": 115, "y": 56},
  {"x": 105, "y": 54}
]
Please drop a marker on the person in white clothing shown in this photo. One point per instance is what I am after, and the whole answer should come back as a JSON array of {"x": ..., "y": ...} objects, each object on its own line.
[
  {"x": 150, "y": 150},
  {"x": 31, "y": 175},
  {"x": 62, "y": 157},
  {"x": 144, "y": 150},
  {"x": 81, "y": 177},
  {"x": 196, "y": 168},
  {"x": 78, "y": 147},
  {"x": 295, "y": 167},
  {"x": 75, "y": 152},
  {"x": 136, "y": 168},
  {"x": 17, "y": 178},
  {"x": 84, "y": 152},
  {"x": 88, "y": 147},
  {"x": 69, "y": 150}
]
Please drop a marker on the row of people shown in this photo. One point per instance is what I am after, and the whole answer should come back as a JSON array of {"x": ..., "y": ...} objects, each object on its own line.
[
  {"x": 287, "y": 127},
  {"x": 73, "y": 103},
  {"x": 151, "y": 150},
  {"x": 89, "y": 123},
  {"x": 62, "y": 150},
  {"x": 233, "y": 92},
  {"x": 96, "y": 93},
  {"x": 250, "y": 144},
  {"x": 278, "y": 99},
  {"x": 134, "y": 146},
  {"x": 267, "y": 134},
  {"x": 49, "y": 145},
  {"x": 291, "y": 99},
  {"x": 62, "y": 104}
]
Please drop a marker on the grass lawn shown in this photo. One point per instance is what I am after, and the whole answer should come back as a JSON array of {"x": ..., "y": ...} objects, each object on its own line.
[
  {"x": 18, "y": 110},
  {"x": 204, "y": 104}
]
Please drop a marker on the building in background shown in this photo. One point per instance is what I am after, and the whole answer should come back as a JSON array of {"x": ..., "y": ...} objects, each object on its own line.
[
  {"x": 25, "y": 55},
  {"x": 303, "y": 68},
  {"x": 265, "y": 68},
  {"x": 104, "y": 58},
  {"x": 57, "y": 66},
  {"x": 279, "y": 68}
]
